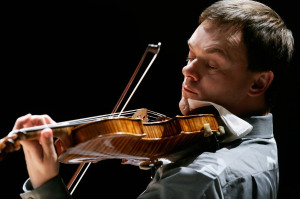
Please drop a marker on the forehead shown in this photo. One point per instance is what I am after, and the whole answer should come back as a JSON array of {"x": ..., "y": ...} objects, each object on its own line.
[{"x": 223, "y": 38}]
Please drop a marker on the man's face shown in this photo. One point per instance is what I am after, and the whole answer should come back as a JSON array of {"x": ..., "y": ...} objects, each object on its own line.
[{"x": 216, "y": 70}]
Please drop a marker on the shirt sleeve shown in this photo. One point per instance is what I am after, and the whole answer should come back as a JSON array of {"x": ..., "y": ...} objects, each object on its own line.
[
  {"x": 184, "y": 183},
  {"x": 54, "y": 188}
]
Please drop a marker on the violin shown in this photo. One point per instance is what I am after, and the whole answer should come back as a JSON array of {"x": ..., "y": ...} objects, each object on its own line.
[{"x": 136, "y": 139}]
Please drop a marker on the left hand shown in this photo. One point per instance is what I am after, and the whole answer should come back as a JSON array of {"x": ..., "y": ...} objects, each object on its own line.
[{"x": 40, "y": 155}]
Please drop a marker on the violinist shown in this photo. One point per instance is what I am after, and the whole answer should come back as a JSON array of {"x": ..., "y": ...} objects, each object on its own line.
[{"x": 236, "y": 56}]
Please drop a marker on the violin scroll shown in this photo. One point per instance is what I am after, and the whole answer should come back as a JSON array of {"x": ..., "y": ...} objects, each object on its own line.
[{"x": 10, "y": 144}]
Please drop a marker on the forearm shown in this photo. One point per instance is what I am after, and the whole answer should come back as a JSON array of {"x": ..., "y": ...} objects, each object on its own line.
[{"x": 54, "y": 188}]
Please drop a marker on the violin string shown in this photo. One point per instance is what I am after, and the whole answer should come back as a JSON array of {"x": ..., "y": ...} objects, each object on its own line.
[
  {"x": 95, "y": 118},
  {"x": 152, "y": 115}
]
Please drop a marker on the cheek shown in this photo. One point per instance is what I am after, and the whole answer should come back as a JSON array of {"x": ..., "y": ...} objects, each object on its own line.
[
  {"x": 234, "y": 88},
  {"x": 210, "y": 88},
  {"x": 221, "y": 88}
]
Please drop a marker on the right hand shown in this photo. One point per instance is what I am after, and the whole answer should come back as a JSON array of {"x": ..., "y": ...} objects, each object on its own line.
[{"x": 40, "y": 155}]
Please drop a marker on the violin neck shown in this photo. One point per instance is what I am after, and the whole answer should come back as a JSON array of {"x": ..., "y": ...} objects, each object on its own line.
[
  {"x": 67, "y": 126},
  {"x": 32, "y": 133}
]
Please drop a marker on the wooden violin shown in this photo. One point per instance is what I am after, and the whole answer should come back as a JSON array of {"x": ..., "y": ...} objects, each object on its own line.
[{"x": 135, "y": 138}]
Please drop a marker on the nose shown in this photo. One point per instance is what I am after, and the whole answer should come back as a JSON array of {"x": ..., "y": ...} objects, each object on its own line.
[{"x": 190, "y": 70}]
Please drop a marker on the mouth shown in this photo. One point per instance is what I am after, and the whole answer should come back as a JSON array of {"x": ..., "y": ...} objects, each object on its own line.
[{"x": 188, "y": 90}]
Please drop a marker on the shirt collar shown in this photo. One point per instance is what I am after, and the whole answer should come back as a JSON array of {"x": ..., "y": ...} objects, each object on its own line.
[{"x": 262, "y": 126}]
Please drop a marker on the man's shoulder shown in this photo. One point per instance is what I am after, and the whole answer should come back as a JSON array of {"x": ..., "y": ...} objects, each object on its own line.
[{"x": 248, "y": 157}]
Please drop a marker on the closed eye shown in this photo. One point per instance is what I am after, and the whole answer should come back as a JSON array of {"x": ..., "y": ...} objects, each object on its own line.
[
  {"x": 189, "y": 59},
  {"x": 211, "y": 67}
]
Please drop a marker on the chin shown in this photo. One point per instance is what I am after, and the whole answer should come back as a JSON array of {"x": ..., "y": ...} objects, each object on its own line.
[{"x": 184, "y": 106}]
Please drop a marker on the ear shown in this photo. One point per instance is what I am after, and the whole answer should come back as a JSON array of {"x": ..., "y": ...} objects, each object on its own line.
[{"x": 261, "y": 83}]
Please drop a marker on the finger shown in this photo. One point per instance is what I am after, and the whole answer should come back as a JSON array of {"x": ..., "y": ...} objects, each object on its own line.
[
  {"x": 49, "y": 120},
  {"x": 46, "y": 141},
  {"x": 38, "y": 120},
  {"x": 21, "y": 121},
  {"x": 32, "y": 150}
]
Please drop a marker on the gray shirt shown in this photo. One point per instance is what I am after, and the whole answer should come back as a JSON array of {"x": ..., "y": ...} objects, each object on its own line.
[{"x": 244, "y": 168}]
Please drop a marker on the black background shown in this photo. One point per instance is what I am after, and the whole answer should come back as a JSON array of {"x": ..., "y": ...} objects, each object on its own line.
[{"x": 72, "y": 59}]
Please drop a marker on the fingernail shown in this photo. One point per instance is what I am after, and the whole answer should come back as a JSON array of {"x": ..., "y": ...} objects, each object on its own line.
[
  {"x": 47, "y": 134},
  {"x": 28, "y": 115}
]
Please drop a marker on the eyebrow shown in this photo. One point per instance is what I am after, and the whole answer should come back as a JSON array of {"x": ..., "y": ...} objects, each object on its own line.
[{"x": 212, "y": 50}]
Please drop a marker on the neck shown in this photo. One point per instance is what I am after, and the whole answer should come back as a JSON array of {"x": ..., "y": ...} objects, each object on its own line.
[{"x": 255, "y": 108}]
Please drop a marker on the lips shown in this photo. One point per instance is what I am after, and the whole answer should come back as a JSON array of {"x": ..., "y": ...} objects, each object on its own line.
[{"x": 188, "y": 90}]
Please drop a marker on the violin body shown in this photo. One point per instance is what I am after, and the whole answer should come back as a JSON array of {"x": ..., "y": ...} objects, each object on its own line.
[{"x": 132, "y": 139}]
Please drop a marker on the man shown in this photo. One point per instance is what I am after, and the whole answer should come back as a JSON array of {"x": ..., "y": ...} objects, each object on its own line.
[{"x": 236, "y": 56}]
